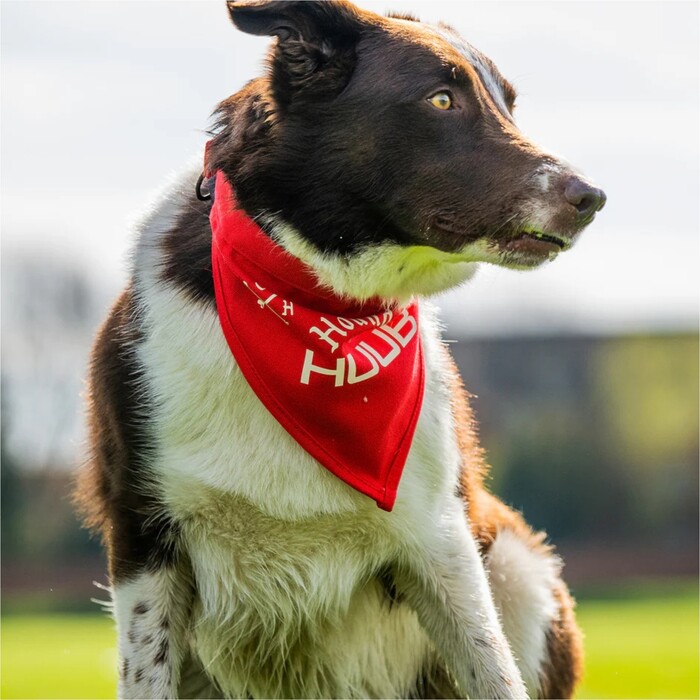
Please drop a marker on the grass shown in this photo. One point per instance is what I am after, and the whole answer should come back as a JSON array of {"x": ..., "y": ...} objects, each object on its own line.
[
  {"x": 641, "y": 646},
  {"x": 58, "y": 656}
]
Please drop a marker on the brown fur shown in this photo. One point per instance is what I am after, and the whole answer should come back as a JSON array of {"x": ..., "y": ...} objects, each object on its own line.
[
  {"x": 339, "y": 139},
  {"x": 564, "y": 668},
  {"x": 111, "y": 492},
  {"x": 488, "y": 515}
]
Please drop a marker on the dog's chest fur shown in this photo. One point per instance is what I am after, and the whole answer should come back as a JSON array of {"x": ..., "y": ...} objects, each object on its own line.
[
  {"x": 290, "y": 562},
  {"x": 297, "y": 609}
]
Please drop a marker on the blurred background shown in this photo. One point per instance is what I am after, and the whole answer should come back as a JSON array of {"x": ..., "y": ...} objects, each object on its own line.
[{"x": 585, "y": 373}]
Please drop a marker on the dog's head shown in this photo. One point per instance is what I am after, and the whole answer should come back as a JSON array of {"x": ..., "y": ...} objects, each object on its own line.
[{"x": 383, "y": 152}]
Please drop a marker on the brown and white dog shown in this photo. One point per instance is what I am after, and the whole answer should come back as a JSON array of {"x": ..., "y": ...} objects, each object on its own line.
[{"x": 381, "y": 152}]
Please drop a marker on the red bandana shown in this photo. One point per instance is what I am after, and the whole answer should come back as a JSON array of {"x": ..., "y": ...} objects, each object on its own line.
[{"x": 344, "y": 379}]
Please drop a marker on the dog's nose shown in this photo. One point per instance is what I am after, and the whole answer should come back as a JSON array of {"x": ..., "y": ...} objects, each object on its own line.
[{"x": 586, "y": 199}]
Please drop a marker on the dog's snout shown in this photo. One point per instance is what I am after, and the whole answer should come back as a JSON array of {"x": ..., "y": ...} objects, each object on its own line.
[{"x": 585, "y": 198}]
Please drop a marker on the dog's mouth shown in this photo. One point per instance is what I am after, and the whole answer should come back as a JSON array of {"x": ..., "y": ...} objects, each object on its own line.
[
  {"x": 528, "y": 241},
  {"x": 533, "y": 247},
  {"x": 525, "y": 247}
]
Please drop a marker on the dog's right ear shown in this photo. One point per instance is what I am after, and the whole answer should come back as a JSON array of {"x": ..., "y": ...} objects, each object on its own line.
[
  {"x": 315, "y": 41},
  {"x": 302, "y": 20}
]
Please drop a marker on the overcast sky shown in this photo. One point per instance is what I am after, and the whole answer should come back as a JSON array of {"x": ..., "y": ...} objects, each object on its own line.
[{"x": 101, "y": 100}]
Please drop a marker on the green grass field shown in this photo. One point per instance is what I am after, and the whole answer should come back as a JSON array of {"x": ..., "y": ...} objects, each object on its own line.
[{"x": 644, "y": 646}]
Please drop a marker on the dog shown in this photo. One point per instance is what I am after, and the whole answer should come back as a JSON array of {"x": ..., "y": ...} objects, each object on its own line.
[{"x": 375, "y": 163}]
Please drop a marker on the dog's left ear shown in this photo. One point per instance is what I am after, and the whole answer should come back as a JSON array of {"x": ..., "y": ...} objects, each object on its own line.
[{"x": 315, "y": 42}]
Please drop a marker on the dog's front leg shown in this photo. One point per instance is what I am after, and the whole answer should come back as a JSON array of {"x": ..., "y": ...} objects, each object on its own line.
[
  {"x": 444, "y": 580},
  {"x": 151, "y": 610}
]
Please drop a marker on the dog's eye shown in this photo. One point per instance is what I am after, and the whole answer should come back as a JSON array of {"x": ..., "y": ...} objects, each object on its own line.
[{"x": 441, "y": 100}]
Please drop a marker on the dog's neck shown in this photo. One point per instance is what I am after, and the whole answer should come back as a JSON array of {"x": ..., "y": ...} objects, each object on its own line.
[
  {"x": 241, "y": 241},
  {"x": 386, "y": 270}
]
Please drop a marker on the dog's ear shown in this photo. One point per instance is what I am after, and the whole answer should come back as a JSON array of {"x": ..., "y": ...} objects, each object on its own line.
[
  {"x": 315, "y": 41},
  {"x": 312, "y": 21}
]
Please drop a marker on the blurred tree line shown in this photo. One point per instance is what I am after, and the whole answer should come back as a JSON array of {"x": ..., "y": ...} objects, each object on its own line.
[{"x": 593, "y": 438}]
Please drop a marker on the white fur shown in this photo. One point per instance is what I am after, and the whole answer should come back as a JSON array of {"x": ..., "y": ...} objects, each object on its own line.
[
  {"x": 149, "y": 614},
  {"x": 522, "y": 581},
  {"x": 220, "y": 452},
  {"x": 284, "y": 554},
  {"x": 388, "y": 270},
  {"x": 210, "y": 419}
]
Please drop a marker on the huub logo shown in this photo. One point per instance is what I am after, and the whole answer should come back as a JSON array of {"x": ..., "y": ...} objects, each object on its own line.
[
  {"x": 380, "y": 347},
  {"x": 391, "y": 333}
]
